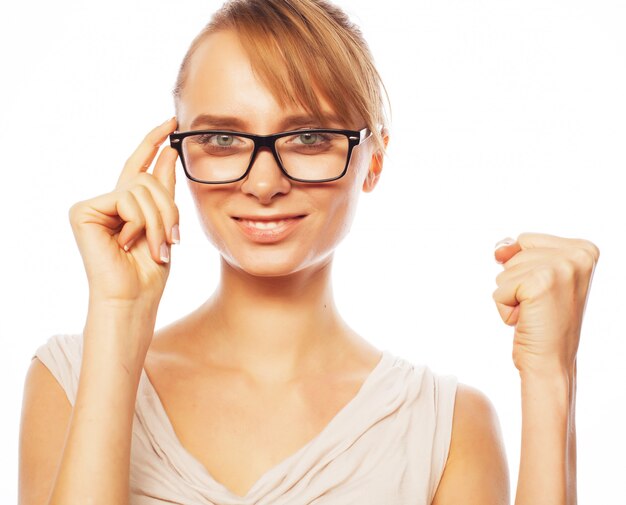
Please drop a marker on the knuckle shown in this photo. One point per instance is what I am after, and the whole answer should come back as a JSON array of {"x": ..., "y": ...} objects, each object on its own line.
[
  {"x": 147, "y": 181},
  {"x": 75, "y": 211},
  {"x": 494, "y": 295},
  {"x": 144, "y": 178},
  {"x": 153, "y": 138},
  {"x": 526, "y": 237},
  {"x": 72, "y": 211},
  {"x": 127, "y": 196},
  {"x": 594, "y": 250},
  {"x": 584, "y": 258},
  {"x": 128, "y": 160},
  {"x": 567, "y": 267},
  {"x": 141, "y": 190},
  {"x": 174, "y": 211},
  {"x": 500, "y": 277},
  {"x": 597, "y": 251},
  {"x": 132, "y": 202},
  {"x": 545, "y": 276}
]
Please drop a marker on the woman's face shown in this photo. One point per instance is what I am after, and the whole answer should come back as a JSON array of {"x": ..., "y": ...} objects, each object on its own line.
[{"x": 220, "y": 82}]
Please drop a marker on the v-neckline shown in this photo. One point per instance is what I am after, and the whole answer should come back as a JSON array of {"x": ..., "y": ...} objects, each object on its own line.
[{"x": 202, "y": 475}]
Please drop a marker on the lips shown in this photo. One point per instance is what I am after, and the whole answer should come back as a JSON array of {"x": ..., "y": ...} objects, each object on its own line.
[
  {"x": 267, "y": 229},
  {"x": 274, "y": 217}
]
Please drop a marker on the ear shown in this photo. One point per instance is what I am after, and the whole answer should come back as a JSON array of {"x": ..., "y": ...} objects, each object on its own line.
[{"x": 376, "y": 167}]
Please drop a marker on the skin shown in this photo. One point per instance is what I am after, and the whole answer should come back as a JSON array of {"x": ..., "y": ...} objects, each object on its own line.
[
  {"x": 269, "y": 343},
  {"x": 251, "y": 272},
  {"x": 289, "y": 356}
]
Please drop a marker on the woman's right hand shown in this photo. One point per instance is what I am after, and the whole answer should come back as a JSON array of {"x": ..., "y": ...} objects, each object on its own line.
[{"x": 103, "y": 225}]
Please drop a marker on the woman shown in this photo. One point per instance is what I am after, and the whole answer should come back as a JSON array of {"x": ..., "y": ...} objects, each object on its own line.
[{"x": 263, "y": 394}]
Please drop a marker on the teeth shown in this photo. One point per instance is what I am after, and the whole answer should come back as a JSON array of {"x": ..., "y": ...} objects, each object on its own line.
[{"x": 264, "y": 225}]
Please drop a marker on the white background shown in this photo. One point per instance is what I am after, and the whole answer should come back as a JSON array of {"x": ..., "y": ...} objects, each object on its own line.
[{"x": 507, "y": 117}]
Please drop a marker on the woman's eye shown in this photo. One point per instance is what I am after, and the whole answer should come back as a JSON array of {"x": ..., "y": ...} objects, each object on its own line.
[
  {"x": 217, "y": 140},
  {"x": 309, "y": 138},
  {"x": 224, "y": 140}
]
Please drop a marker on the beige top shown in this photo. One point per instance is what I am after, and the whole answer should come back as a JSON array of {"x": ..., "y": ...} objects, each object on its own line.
[{"x": 387, "y": 446}]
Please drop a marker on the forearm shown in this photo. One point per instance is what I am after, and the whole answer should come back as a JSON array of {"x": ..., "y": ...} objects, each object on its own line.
[
  {"x": 547, "y": 474},
  {"x": 95, "y": 463}
]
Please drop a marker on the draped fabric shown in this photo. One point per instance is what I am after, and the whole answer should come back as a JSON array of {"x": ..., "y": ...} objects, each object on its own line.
[{"x": 387, "y": 446}]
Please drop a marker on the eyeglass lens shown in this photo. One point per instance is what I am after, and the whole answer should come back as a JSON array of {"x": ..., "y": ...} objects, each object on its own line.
[{"x": 308, "y": 156}]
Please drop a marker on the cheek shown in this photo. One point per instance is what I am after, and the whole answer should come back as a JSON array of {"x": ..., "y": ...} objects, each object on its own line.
[
  {"x": 205, "y": 203},
  {"x": 347, "y": 200},
  {"x": 340, "y": 210},
  {"x": 348, "y": 208}
]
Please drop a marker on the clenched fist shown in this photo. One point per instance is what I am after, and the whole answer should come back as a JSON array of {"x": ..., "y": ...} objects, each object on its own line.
[{"x": 543, "y": 292}]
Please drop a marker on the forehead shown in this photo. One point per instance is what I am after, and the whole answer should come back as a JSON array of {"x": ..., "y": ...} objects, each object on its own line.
[{"x": 221, "y": 81}]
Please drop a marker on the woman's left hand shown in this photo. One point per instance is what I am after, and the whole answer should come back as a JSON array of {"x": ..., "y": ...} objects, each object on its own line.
[{"x": 543, "y": 293}]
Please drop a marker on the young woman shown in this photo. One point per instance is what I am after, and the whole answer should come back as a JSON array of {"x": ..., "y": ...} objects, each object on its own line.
[{"x": 264, "y": 394}]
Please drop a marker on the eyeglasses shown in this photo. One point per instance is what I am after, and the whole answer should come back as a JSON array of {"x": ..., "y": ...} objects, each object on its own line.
[{"x": 222, "y": 156}]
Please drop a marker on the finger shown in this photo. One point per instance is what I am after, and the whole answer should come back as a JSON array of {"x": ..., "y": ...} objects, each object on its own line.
[
  {"x": 506, "y": 301},
  {"x": 165, "y": 169},
  {"x": 532, "y": 240},
  {"x": 155, "y": 230},
  {"x": 517, "y": 272},
  {"x": 578, "y": 258},
  {"x": 112, "y": 210},
  {"x": 142, "y": 157},
  {"x": 129, "y": 211},
  {"x": 166, "y": 207},
  {"x": 534, "y": 256},
  {"x": 509, "y": 315},
  {"x": 504, "y": 249}
]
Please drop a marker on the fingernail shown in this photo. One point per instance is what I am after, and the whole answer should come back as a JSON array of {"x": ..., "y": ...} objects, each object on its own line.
[
  {"x": 128, "y": 244},
  {"x": 175, "y": 234},
  {"x": 504, "y": 242},
  {"x": 165, "y": 253}
]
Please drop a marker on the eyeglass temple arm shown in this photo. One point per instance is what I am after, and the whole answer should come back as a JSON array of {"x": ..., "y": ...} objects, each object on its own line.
[{"x": 365, "y": 133}]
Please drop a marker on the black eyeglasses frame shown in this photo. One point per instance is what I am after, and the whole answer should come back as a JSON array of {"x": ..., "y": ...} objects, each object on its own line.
[{"x": 355, "y": 137}]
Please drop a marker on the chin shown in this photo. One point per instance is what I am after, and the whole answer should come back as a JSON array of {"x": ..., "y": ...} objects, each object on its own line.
[{"x": 274, "y": 265}]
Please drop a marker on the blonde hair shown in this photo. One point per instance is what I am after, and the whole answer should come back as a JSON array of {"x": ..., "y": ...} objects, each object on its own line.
[{"x": 294, "y": 45}]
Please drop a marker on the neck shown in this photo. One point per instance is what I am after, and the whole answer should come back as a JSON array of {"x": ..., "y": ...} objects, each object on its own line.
[{"x": 273, "y": 327}]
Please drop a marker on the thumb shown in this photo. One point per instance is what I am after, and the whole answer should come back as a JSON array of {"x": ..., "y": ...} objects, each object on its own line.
[
  {"x": 505, "y": 249},
  {"x": 165, "y": 169}
]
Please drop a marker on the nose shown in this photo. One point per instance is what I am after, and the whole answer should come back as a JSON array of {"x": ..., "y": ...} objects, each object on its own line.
[{"x": 265, "y": 178}]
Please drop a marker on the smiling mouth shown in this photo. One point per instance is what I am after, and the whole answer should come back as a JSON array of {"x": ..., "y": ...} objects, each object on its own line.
[
  {"x": 267, "y": 229},
  {"x": 266, "y": 224}
]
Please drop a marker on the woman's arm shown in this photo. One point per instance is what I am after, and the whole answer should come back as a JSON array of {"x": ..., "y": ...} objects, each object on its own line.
[
  {"x": 542, "y": 293},
  {"x": 547, "y": 472},
  {"x": 86, "y": 458},
  {"x": 124, "y": 238}
]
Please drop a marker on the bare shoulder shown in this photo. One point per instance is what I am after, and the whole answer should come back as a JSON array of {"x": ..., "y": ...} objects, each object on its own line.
[
  {"x": 476, "y": 471},
  {"x": 46, "y": 412}
]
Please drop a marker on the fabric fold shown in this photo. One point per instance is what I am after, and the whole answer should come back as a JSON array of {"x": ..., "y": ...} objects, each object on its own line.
[{"x": 388, "y": 445}]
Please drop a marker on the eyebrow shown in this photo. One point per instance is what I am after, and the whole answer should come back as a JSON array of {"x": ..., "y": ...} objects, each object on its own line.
[{"x": 212, "y": 121}]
